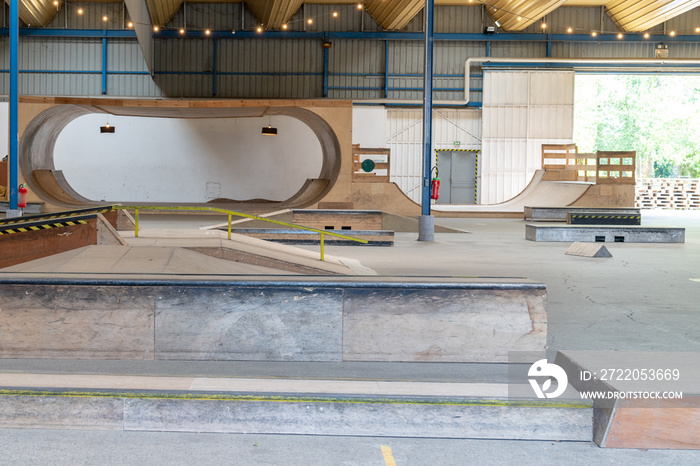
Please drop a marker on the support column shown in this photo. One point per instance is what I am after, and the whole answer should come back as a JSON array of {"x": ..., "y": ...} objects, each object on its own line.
[
  {"x": 426, "y": 225},
  {"x": 13, "y": 161}
]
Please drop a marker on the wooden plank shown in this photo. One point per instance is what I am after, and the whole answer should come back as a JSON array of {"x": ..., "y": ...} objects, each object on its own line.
[{"x": 656, "y": 424}]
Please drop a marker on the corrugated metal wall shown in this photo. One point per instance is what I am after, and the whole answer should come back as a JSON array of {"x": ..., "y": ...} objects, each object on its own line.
[
  {"x": 293, "y": 68},
  {"x": 404, "y": 135},
  {"x": 521, "y": 111}
]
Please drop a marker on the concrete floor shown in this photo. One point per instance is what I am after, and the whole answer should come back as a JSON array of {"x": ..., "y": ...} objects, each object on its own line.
[{"x": 646, "y": 297}]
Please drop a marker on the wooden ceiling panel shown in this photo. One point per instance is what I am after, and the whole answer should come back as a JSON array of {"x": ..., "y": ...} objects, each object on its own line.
[
  {"x": 641, "y": 15},
  {"x": 36, "y": 12},
  {"x": 273, "y": 13},
  {"x": 162, "y": 10},
  {"x": 507, "y": 12},
  {"x": 394, "y": 14}
]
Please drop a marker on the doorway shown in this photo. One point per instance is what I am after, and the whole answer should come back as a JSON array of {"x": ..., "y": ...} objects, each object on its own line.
[{"x": 457, "y": 172}]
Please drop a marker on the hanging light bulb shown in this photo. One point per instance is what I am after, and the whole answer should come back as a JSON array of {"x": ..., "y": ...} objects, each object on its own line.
[
  {"x": 182, "y": 30},
  {"x": 570, "y": 30},
  {"x": 335, "y": 14},
  {"x": 672, "y": 33},
  {"x": 207, "y": 32},
  {"x": 593, "y": 34},
  {"x": 80, "y": 11},
  {"x": 155, "y": 28},
  {"x": 259, "y": 29},
  {"x": 310, "y": 21},
  {"x": 544, "y": 26},
  {"x": 620, "y": 35},
  {"x": 284, "y": 26},
  {"x": 359, "y": 6},
  {"x": 646, "y": 35},
  {"x": 105, "y": 19},
  {"x": 129, "y": 24}
]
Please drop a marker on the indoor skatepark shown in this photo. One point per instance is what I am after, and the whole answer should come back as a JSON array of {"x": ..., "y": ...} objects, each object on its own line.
[{"x": 146, "y": 294}]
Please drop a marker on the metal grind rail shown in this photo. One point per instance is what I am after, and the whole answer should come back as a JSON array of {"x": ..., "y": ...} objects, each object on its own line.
[{"x": 230, "y": 214}]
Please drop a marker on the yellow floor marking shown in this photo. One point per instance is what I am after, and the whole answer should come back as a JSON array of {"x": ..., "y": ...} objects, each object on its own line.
[{"x": 388, "y": 457}]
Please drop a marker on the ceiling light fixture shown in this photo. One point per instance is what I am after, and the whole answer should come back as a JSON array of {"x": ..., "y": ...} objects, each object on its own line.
[
  {"x": 259, "y": 29},
  {"x": 335, "y": 14},
  {"x": 359, "y": 6},
  {"x": 182, "y": 31},
  {"x": 155, "y": 28},
  {"x": 544, "y": 26},
  {"x": 310, "y": 21},
  {"x": 207, "y": 32},
  {"x": 620, "y": 35},
  {"x": 646, "y": 35},
  {"x": 520, "y": 18},
  {"x": 80, "y": 11},
  {"x": 107, "y": 128},
  {"x": 284, "y": 26},
  {"x": 269, "y": 130},
  {"x": 570, "y": 30},
  {"x": 105, "y": 19},
  {"x": 672, "y": 33},
  {"x": 593, "y": 34},
  {"x": 129, "y": 24}
]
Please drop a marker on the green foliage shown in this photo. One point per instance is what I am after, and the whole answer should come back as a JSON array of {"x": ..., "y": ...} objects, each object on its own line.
[{"x": 657, "y": 116}]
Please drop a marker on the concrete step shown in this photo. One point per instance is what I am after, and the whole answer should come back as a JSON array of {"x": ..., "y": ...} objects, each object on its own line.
[{"x": 285, "y": 406}]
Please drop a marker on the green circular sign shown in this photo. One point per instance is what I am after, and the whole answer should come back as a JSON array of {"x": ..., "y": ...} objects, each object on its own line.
[{"x": 368, "y": 165}]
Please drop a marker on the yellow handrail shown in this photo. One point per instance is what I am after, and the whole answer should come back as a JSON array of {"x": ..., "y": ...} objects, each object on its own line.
[{"x": 238, "y": 214}]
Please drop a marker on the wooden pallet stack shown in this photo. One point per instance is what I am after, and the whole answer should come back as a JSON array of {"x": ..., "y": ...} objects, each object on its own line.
[{"x": 668, "y": 193}]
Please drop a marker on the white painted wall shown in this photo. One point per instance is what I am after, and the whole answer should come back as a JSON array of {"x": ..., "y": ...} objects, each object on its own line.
[
  {"x": 521, "y": 111},
  {"x": 187, "y": 160},
  {"x": 405, "y": 133},
  {"x": 368, "y": 126},
  {"x": 4, "y": 131}
]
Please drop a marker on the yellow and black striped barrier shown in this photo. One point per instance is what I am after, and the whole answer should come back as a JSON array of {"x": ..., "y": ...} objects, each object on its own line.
[
  {"x": 56, "y": 215},
  {"x": 40, "y": 226},
  {"x": 594, "y": 218}
]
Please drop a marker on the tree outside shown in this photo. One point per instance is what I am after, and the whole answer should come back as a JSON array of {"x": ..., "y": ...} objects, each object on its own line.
[{"x": 658, "y": 116}]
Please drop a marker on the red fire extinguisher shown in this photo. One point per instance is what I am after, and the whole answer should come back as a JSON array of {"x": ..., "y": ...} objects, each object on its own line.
[
  {"x": 435, "y": 189},
  {"x": 22, "y": 200}
]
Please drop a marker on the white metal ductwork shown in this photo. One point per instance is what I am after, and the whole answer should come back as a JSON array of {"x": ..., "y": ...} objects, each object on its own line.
[{"x": 576, "y": 64}]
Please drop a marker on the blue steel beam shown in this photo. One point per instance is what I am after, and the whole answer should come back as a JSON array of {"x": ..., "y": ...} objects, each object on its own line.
[
  {"x": 427, "y": 107},
  {"x": 13, "y": 159},
  {"x": 367, "y": 35}
]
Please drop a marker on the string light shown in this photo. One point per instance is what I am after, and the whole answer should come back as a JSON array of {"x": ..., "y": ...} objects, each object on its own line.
[
  {"x": 310, "y": 21},
  {"x": 620, "y": 35},
  {"x": 55, "y": 3},
  {"x": 672, "y": 33},
  {"x": 359, "y": 6},
  {"x": 593, "y": 34},
  {"x": 570, "y": 30},
  {"x": 105, "y": 18},
  {"x": 207, "y": 32},
  {"x": 80, "y": 11},
  {"x": 259, "y": 29},
  {"x": 335, "y": 14},
  {"x": 544, "y": 26},
  {"x": 697, "y": 29},
  {"x": 284, "y": 26},
  {"x": 646, "y": 35},
  {"x": 520, "y": 18},
  {"x": 155, "y": 28},
  {"x": 182, "y": 30},
  {"x": 129, "y": 24}
]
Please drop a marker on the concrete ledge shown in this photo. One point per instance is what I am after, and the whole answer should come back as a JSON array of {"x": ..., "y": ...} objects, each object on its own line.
[
  {"x": 307, "y": 415},
  {"x": 373, "y": 319},
  {"x": 296, "y": 236},
  {"x": 604, "y": 234}
]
